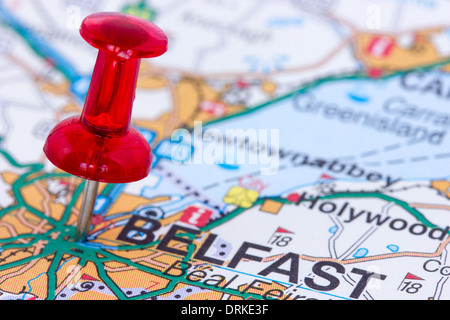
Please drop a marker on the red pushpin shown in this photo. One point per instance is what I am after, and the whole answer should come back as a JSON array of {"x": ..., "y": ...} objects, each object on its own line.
[{"x": 101, "y": 146}]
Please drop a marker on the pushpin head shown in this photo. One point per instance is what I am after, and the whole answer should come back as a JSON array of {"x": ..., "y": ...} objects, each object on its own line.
[
  {"x": 101, "y": 145},
  {"x": 124, "y": 35}
]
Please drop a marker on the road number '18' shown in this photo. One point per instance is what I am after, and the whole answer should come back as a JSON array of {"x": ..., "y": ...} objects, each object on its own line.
[
  {"x": 411, "y": 287},
  {"x": 281, "y": 241}
]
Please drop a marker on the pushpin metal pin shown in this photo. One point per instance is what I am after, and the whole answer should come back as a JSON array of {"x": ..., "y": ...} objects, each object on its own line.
[
  {"x": 87, "y": 208},
  {"x": 101, "y": 146}
]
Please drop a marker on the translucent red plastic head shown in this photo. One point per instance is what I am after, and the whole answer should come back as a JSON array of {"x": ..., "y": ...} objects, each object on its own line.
[{"x": 101, "y": 145}]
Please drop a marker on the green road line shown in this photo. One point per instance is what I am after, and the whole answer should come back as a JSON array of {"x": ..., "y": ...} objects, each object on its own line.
[
  {"x": 82, "y": 262},
  {"x": 9, "y": 209},
  {"x": 35, "y": 167},
  {"x": 230, "y": 216},
  {"x": 77, "y": 193},
  {"x": 52, "y": 281},
  {"x": 420, "y": 217},
  {"x": 174, "y": 280},
  {"x": 43, "y": 216},
  {"x": 46, "y": 176},
  {"x": 108, "y": 188},
  {"x": 59, "y": 246},
  {"x": 22, "y": 236},
  {"x": 109, "y": 282},
  {"x": 316, "y": 83}
]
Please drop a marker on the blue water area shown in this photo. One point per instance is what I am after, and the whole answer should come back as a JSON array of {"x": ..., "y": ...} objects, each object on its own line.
[
  {"x": 80, "y": 87},
  {"x": 101, "y": 203},
  {"x": 228, "y": 166},
  {"x": 358, "y": 97},
  {"x": 282, "y": 22},
  {"x": 359, "y": 93},
  {"x": 361, "y": 253},
  {"x": 317, "y": 126},
  {"x": 79, "y": 83},
  {"x": 393, "y": 247}
]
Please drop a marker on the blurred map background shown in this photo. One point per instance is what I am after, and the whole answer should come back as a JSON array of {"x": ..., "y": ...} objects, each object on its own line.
[{"x": 358, "y": 93}]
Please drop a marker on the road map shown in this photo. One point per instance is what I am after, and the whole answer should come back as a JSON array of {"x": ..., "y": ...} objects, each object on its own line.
[{"x": 301, "y": 151}]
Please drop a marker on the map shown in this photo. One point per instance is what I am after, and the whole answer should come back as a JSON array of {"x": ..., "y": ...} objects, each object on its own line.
[{"x": 301, "y": 151}]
